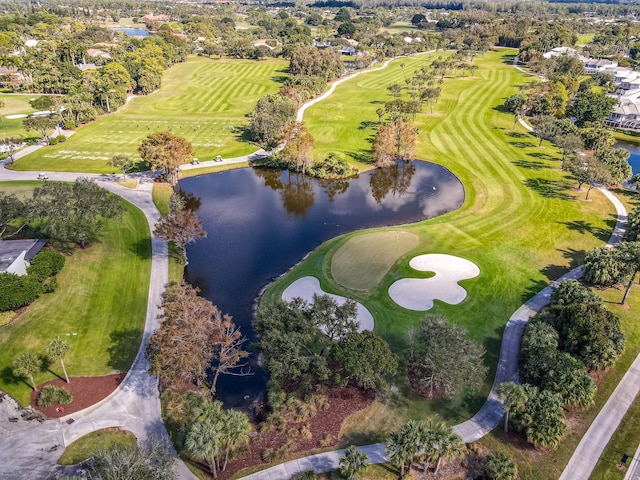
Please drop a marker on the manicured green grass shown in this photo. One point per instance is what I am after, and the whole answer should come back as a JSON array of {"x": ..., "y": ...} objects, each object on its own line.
[
  {"x": 362, "y": 262},
  {"x": 521, "y": 222},
  {"x": 161, "y": 194},
  {"x": 99, "y": 306},
  {"x": 21, "y": 189},
  {"x": 584, "y": 39},
  {"x": 15, "y": 104},
  {"x": 204, "y": 100},
  {"x": 401, "y": 27},
  {"x": 94, "y": 442}
]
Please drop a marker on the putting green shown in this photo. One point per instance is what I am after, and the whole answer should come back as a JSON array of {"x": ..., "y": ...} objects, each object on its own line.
[
  {"x": 363, "y": 261},
  {"x": 204, "y": 100}
]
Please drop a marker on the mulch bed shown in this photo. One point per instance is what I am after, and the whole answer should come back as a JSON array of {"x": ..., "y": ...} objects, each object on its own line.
[
  {"x": 343, "y": 402},
  {"x": 86, "y": 391}
]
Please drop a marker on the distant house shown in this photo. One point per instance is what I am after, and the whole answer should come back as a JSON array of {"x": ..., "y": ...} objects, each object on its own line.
[
  {"x": 348, "y": 52},
  {"x": 263, "y": 43},
  {"x": 86, "y": 66},
  {"x": 560, "y": 51},
  {"x": 31, "y": 43},
  {"x": 15, "y": 255},
  {"x": 96, "y": 53},
  {"x": 597, "y": 65}
]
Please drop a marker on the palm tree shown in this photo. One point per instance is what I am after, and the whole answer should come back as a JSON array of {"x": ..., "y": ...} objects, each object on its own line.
[
  {"x": 514, "y": 400},
  {"x": 353, "y": 462},
  {"x": 203, "y": 442},
  {"x": 235, "y": 432},
  {"x": 399, "y": 451},
  {"x": 25, "y": 365},
  {"x": 447, "y": 445},
  {"x": 56, "y": 350},
  {"x": 431, "y": 94},
  {"x": 500, "y": 466}
]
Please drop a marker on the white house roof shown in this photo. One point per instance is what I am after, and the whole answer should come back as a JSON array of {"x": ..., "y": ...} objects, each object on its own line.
[{"x": 12, "y": 249}]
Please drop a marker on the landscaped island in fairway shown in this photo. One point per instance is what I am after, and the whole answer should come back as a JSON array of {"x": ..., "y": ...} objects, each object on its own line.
[
  {"x": 199, "y": 100},
  {"x": 519, "y": 223},
  {"x": 99, "y": 306}
]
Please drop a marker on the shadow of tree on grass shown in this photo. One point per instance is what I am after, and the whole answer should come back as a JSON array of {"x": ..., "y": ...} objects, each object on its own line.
[
  {"x": 123, "y": 348},
  {"x": 549, "y": 188},
  {"x": 528, "y": 164}
]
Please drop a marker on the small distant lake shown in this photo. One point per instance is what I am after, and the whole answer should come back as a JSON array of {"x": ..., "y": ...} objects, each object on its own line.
[
  {"x": 260, "y": 223},
  {"x": 134, "y": 32},
  {"x": 634, "y": 157}
]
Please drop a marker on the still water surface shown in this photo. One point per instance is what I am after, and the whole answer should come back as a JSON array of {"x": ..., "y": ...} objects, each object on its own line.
[{"x": 262, "y": 222}]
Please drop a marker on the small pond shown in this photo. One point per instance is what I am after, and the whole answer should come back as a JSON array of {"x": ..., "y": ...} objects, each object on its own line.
[
  {"x": 134, "y": 32},
  {"x": 262, "y": 222},
  {"x": 634, "y": 154}
]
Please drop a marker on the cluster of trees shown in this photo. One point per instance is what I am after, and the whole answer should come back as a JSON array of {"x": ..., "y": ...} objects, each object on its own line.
[
  {"x": 426, "y": 442},
  {"x": 574, "y": 336},
  {"x": 16, "y": 291},
  {"x": 29, "y": 363},
  {"x": 619, "y": 264},
  {"x": 308, "y": 345},
  {"x": 166, "y": 152},
  {"x": 195, "y": 342},
  {"x": 204, "y": 430},
  {"x": 62, "y": 211}
]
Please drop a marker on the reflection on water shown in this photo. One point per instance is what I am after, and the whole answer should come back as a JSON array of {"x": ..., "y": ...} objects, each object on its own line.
[
  {"x": 262, "y": 222},
  {"x": 634, "y": 154}
]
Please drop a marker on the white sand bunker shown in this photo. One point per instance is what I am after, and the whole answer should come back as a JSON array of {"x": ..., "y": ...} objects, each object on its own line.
[
  {"x": 305, "y": 287},
  {"x": 419, "y": 293}
]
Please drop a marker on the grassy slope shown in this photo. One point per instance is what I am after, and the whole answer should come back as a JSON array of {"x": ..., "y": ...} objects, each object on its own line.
[
  {"x": 101, "y": 296},
  {"x": 199, "y": 99},
  {"x": 15, "y": 104},
  {"x": 521, "y": 223},
  {"x": 94, "y": 442}
]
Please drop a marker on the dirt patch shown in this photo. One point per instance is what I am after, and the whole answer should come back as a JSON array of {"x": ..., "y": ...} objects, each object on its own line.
[
  {"x": 326, "y": 424},
  {"x": 86, "y": 391}
]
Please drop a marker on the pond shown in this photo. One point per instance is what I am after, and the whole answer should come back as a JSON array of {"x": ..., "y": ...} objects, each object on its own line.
[
  {"x": 260, "y": 223},
  {"x": 134, "y": 32},
  {"x": 634, "y": 154}
]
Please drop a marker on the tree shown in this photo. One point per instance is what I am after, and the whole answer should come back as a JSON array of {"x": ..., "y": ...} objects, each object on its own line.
[
  {"x": 352, "y": 463},
  {"x": 228, "y": 353},
  {"x": 56, "y": 350},
  {"x": 234, "y": 432},
  {"x": 616, "y": 160},
  {"x": 43, "y": 102},
  {"x": 602, "y": 266},
  {"x": 74, "y": 212},
  {"x": 346, "y": 29},
  {"x": 298, "y": 149},
  {"x": 203, "y": 441},
  {"x": 500, "y": 466},
  {"x": 42, "y": 125},
  {"x": 269, "y": 118},
  {"x": 589, "y": 106},
  {"x": 514, "y": 400},
  {"x": 166, "y": 151},
  {"x": 11, "y": 209},
  {"x": 182, "y": 227},
  {"x": 631, "y": 234},
  {"x": 568, "y": 143},
  {"x": 394, "y": 142},
  {"x": 399, "y": 450},
  {"x": 442, "y": 358},
  {"x": 123, "y": 163},
  {"x": 515, "y": 102},
  {"x": 151, "y": 459},
  {"x": 417, "y": 19},
  {"x": 309, "y": 60},
  {"x": 367, "y": 358},
  {"x": 431, "y": 95},
  {"x": 544, "y": 126},
  {"x": 11, "y": 144},
  {"x": 546, "y": 425},
  {"x": 25, "y": 365},
  {"x": 588, "y": 169}
]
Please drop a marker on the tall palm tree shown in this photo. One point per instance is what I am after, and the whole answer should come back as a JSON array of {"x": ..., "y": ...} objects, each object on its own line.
[
  {"x": 500, "y": 466},
  {"x": 56, "y": 349},
  {"x": 447, "y": 445},
  {"x": 353, "y": 462},
  {"x": 234, "y": 432},
  {"x": 25, "y": 365},
  {"x": 399, "y": 451},
  {"x": 514, "y": 400},
  {"x": 203, "y": 442}
]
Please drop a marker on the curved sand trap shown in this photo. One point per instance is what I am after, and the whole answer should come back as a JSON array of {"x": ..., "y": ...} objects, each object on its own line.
[
  {"x": 305, "y": 287},
  {"x": 419, "y": 293}
]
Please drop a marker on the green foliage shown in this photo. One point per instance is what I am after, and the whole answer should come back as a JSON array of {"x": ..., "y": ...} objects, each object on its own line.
[
  {"x": 26, "y": 365},
  {"x": 632, "y": 232},
  {"x": 442, "y": 357},
  {"x": 312, "y": 61},
  {"x": 46, "y": 264},
  {"x": 332, "y": 167},
  {"x": 269, "y": 117},
  {"x": 308, "y": 475},
  {"x": 602, "y": 266},
  {"x": 53, "y": 141},
  {"x": 50, "y": 395},
  {"x": 18, "y": 291},
  {"x": 500, "y": 466},
  {"x": 352, "y": 463},
  {"x": 515, "y": 102},
  {"x": 591, "y": 106}
]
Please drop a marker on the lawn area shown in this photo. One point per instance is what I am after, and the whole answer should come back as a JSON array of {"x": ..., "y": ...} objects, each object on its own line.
[
  {"x": 204, "y": 100},
  {"x": 521, "y": 222},
  {"x": 15, "y": 104},
  {"x": 87, "y": 446},
  {"x": 100, "y": 306}
]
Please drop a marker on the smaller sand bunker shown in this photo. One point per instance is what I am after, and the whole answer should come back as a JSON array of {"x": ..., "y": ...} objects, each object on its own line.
[
  {"x": 419, "y": 293},
  {"x": 305, "y": 287}
]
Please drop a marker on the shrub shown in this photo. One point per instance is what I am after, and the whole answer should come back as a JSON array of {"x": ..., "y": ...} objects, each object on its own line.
[
  {"x": 46, "y": 264},
  {"x": 50, "y": 395},
  {"x": 17, "y": 291},
  {"x": 308, "y": 475},
  {"x": 6, "y": 317},
  {"x": 53, "y": 141},
  {"x": 69, "y": 125},
  {"x": 61, "y": 138}
]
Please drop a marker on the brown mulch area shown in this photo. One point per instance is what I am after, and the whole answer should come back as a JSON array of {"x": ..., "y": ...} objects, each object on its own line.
[
  {"x": 86, "y": 391},
  {"x": 343, "y": 402},
  {"x": 471, "y": 465}
]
